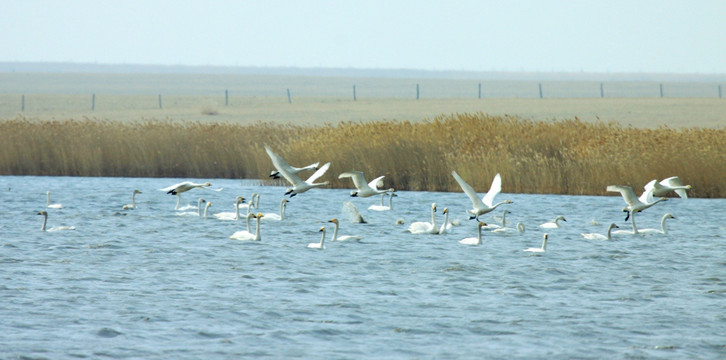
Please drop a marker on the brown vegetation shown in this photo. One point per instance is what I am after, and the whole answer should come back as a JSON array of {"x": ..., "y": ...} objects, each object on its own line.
[{"x": 557, "y": 157}]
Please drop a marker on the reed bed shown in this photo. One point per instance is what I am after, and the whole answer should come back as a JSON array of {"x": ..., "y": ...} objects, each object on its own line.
[{"x": 553, "y": 157}]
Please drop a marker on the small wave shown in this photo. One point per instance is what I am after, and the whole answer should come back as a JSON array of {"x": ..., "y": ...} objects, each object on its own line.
[{"x": 108, "y": 333}]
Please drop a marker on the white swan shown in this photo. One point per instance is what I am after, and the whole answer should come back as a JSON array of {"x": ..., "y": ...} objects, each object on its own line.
[
  {"x": 295, "y": 170},
  {"x": 206, "y": 209},
  {"x": 281, "y": 215},
  {"x": 662, "y": 229},
  {"x": 178, "y": 189},
  {"x": 539, "y": 249},
  {"x": 254, "y": 202},
  {"x": 446, "y": 226},
  {"x": 54, "y": 228},
  {"x": 319, "y": 245},
  {"x": 672, "y": 183},
  {"x": 421, "y": 227},
  {"x": 364, "y": 189},
  {"x": 474, "y": 240},
  {"x": 554, "y": 224},
  {"x": 298, "y": 186},
  {"x": 343, "y": 237},
  {"x": 596, "y": 236},
  {"x": 635, "y": 204},
  {"x": 245, "y": 235},
  {"x": 382, "y": 207},
  {"x": 231, "y": 215},
  {"x": 200, "y": 202},
  {"x": 133, "y": 201},
  {"x": 504, "y": 222},
  {"x": 518, "y": 229},
  {"x": 484, "y": 205},
  {"x": 48, "y": 205}
]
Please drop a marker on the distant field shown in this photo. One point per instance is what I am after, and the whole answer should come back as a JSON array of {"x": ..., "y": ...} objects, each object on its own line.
[{"x": 321, "y": 100}]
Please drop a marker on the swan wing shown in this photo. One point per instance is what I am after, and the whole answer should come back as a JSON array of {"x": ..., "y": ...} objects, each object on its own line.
[
  {"x": 647, "y": 196},
  {"x": 494, "y": 190},
  {"x": 318, "y": 173},
  {"x": 178, "y": 186},
  {"x": 626, "y": 192},
  {"x": 675, "y": 183},
  {"x": 359, "y": 179},
  {"x": 468, "y": 190},
  {"x": 375, "y": 183},
  {"x": 283, "y": 167}
]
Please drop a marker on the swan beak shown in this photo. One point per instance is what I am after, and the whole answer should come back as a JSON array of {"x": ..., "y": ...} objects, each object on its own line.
[{"x": 321, "y": 229}]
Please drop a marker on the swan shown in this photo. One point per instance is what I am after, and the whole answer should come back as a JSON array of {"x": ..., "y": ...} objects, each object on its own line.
[
  {"x": 200, "y": 202},
  {"x": 539, "y": 249},
  {"x": 295, "y": 170},
  {"x": 662, "y": 229},
  {"x": 343, "y": 237},
  {"x": 298, "y": 186},
  {"x": 519, "y": 229},
  {"x": 635, "y": 204},
  {"x": 206, "y": 209},
  {"x": 446, "y": 226},
  {"x": 364, "y": 189},
  {"x": 672, "y": 183},
  {"x": 133, "y": 201},
  {"x": 596, "y": 236},
  {"x": 254, "y": 202},
  {"x": 382, "y": 207},
  {"x": 421, "y": 227},
  {"x": 484, "y": 205},
  {"x": 281, "y": 215},
  {"x": 554, "y": 224},
  {"x": 504, "y": 221},
  {"x": 231, "y": 215},
  {"x": 48, "y": 205},
  {"x": 245, "y": 235},
  {"x": 178, "y": 189},
  {"x": 54, "y": 228},
  {"x": 474, "y": 240},
  {"x": 321, "y": 244}
]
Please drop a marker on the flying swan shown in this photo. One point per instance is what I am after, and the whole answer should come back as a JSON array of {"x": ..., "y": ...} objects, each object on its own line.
[
  {"x": 298, "y": 186},
  {"x": 672, "y": 183},
  {"x": 635, "y": 204},
  {"x": 484, "y": 205},
  {"x": 178, "y": 189},
  {"x": 365, "y": 189},
  {"x": 275, "y": 174}
]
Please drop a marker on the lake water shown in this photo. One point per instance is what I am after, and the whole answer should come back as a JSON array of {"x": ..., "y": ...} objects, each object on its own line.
[{"x": 150, "y": 283}]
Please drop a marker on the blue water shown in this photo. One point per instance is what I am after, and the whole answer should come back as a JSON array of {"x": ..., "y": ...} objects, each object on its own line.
[{"x": 150, "y": 283}]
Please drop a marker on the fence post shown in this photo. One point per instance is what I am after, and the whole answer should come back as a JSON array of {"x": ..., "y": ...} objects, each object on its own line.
[
  {"x": 160, "y": 105},
  {"x": 479, "y": 90},
  {"x": 602, "y": 92},
  {"x": 540, "y": 90},
  {"x": 289, "y": 98},
  {"x": 719, "y": 91},
  {"x": 354, "y": 96},
  {"x": 418, "y": 93},
  {"x": 22, "y": 103},
  {"x": 93, "y": 102},
  {"x": 226, "y": 97},
  {"x": 661, "y": 90}
]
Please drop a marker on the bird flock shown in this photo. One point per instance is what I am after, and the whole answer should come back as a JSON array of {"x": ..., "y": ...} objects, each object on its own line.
[{"x": 654, "y": 192}]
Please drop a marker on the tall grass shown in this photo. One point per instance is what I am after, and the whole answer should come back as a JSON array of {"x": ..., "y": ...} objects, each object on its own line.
[{"x": 557, "y": 157}]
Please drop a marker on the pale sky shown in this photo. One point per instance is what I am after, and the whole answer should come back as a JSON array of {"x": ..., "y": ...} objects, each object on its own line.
[{"x": 530, "y": 35}]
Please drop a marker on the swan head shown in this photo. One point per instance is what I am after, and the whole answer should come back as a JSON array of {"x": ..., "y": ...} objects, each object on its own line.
[
  {"x": 260, "y": 215},
  {"x": 481, "y": 224},
  {"x": 239, "y": 200},
  {"x": 207, "y": 184},
  {"x": 669, "y": 216},
  {"x": 353, "y": 194},
  {"x": 433, "y": 207},
  {"x": 44, "y": 213},
  {"x": 334, "y": 221},
  {"x": 137, "y": 192},
  {"x": 446, "y": 210},
  {"x": 322, "y": 229}
]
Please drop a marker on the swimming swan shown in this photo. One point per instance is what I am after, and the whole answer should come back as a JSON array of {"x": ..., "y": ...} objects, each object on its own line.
[
  {"x": 477, "y": 239},
  {"x": 672, "y": 183},
  {"x": 281, "y": 215},
  {"x": 254, "y": 202},
  {"x": 539, "y": 249},
  {"x": 298, "y": 186},
  {"x": 364, "y": 189},
  {"x": 54, "y": 228},
  {"x": 504, "y": 221},
  {"x": 554, "y": 224},
  {"x": 446, "y": 226},
  {"x": 231, "y": 215},
  {"x": 518, "y": 229},
  {"x": 382, "y": 207},
  {"x": 662, "y": 229},
  {"x": 246, "y": 235},
  {"x": 343, "y": 237},
  {"x": 48, "y": 205},
  {"x": 421, "y": 227},
  {"x": 596, "y": 236},
  {"x": 206, "y": 209},
  {"x": 199, "y": 209},
  {"x": 635, "y": 204},
  {"x": 178, "y": 189},
  {"x": 321, "y": 244},
  {"x": 133, "y": 201},
  {"x": 484, "y": 205}
]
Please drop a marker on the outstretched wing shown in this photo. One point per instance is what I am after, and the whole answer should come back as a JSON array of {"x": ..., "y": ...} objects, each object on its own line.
[
  {"x": 359, "y": 179},
  {"x": 283, "y": 167},
  {"x": 675, "y": 182},
  {"x": 375, "y": 183},
  {"x": 494, "y": 190},
  {"x": 626, "y": 192},
  {"x": 318, "y": 173},
  {"x": 468, "y": 190}
]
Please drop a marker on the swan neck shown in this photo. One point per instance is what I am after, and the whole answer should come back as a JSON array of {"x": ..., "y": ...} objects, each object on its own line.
[
  {"x": 390, "y": 202},
  {"x": 663, "y": 224},
  {"x": 282, "y": 210},
  {"x": 478, "y": 237},
  {"x": 335, "y": 233},
  {"x": 504, "y": 219},
  {"x": 433, "y": 217},
  {"x": 178, "y": 201},
  {"x": 248, "y": 224},
  {"x": 258, "y": 237},
  {"x": 322, "y": 238},
  {"x": 45, "y": 221},
  {"x": 632, "y": 219}
]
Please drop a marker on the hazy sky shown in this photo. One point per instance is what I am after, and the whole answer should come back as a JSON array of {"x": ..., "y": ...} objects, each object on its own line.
[{"x": 545, "y": 35}]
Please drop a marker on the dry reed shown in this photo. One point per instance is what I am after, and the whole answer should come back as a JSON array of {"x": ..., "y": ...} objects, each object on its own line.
[{"x": 555, "y": 157}]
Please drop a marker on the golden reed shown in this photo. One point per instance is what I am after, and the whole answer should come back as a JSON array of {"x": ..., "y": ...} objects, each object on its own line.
[{"x": 557, "y": 157}]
